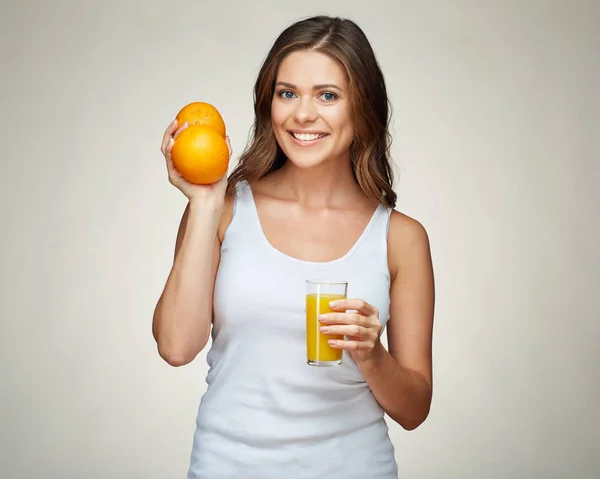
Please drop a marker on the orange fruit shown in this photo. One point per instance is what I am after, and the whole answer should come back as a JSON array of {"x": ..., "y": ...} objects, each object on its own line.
[
  {"x": 200, "y": 155},
  {"x": 201, "y": 113}
]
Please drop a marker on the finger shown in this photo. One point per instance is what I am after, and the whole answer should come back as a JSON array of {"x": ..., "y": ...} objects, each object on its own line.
[
  {"x": 168, "y": 135},
  {"x": 351, "y": 331},
  {"x": 359, "y": 305},
  {"x": 229, "y": 146},
  {"x": 179, "y": 130},
  {"x": 343, "y": 318},
  {"x": 349, "y": 345},
  {"x": 173, "y": 174},
  {"x": 169, "y": 149}
]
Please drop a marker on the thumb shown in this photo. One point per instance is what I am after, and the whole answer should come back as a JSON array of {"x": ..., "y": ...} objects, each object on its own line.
[{"x": 229, "y": 146}]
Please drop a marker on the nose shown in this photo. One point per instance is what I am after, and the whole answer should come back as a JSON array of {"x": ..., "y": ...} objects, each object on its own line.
[{"x": 306, "y": 111}]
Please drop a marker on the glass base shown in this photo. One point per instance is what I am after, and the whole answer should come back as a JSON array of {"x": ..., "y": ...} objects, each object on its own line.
[{"x": 314, "y": 362}]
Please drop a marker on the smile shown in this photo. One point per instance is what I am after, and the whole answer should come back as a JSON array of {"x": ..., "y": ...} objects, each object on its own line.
[{"x": 307, "y": 138}]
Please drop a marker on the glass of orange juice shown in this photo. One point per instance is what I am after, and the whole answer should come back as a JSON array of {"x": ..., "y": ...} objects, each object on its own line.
[{"x": 318, "y": 295}]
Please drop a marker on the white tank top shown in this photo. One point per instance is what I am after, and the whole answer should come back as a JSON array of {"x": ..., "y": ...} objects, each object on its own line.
[{"x": 267, "y": 414}]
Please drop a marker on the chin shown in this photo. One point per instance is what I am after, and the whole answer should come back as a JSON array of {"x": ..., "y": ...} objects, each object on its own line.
[{"x": 305, "y": 160}]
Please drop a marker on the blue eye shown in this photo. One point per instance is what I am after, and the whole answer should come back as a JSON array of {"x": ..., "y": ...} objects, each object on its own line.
[
  {"x": 286, "y": 94},
  {"x": 328, "y": 96}
]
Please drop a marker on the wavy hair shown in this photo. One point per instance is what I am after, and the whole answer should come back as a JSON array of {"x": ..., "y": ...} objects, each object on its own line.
[{"x": 346, "y": 43}]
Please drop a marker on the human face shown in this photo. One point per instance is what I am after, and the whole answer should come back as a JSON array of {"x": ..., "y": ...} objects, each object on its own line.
[{"x": 310, "y": 111}]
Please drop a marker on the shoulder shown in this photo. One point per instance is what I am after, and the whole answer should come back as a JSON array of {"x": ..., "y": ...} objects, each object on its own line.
[
  {"x": 406, "y": 231},
  {"x": 408, "y": 241}
]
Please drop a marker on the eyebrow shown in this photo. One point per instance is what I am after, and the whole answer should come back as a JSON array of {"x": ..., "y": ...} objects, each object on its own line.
[{"x": 316, "y": 87}]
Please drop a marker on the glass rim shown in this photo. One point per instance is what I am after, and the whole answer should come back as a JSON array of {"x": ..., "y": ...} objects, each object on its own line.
[{"x": 326, "y": 281}]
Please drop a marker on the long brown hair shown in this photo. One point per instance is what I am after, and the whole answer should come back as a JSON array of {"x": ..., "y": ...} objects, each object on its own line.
[{"x": 346, "y": 43}]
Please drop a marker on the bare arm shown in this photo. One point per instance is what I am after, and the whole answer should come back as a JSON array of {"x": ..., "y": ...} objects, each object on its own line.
[
  {"x": 183, "y": 315},
  {"x": 401, "y": 379}
]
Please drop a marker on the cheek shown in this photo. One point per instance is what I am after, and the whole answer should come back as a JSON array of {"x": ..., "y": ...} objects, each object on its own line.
[
  {"x": 340, "y": 119},
  {"x": 278, "y": 115},
  {"x": 344, "y": 124},
  {"x": 276, "y": 122},
  {"x": 348, "y": 127}
]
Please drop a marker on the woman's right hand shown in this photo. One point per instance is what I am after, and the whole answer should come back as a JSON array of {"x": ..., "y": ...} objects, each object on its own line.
[{"x": 215, "y": 191}]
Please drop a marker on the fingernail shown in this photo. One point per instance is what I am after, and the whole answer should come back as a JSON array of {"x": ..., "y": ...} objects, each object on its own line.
[
  {"x": 323, "y": 318},
  {"x": 324, "y": 329},
  {"x": 334, "y": 304}
]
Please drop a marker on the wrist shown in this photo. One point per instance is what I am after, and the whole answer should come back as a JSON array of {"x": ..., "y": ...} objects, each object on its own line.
[
  {"x": 205, "y": 214},
  {"x": 374, "y": 360},
  {"x": 202, "y": 205}
]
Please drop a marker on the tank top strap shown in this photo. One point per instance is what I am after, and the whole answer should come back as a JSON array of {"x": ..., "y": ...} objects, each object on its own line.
[
  {"x": 373, "y": 243},
  {"x": 244, "y": 216}
]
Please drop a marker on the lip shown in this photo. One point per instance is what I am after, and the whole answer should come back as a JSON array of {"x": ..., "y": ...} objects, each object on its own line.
[
  {"x": 308, "y": 132},
  {"x": 306, "y": 144}
]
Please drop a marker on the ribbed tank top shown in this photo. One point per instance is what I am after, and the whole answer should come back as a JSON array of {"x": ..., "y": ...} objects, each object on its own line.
[{"x": 266, "y": 413}]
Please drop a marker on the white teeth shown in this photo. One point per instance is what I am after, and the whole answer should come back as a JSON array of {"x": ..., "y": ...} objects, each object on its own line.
[{"x": 307, "y": 136}]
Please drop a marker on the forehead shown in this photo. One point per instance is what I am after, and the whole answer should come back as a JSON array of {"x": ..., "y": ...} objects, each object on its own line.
[{"x": 308, "y": 68}]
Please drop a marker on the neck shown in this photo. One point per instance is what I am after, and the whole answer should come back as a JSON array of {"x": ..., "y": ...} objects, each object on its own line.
[{"x": 327, "y": 185}]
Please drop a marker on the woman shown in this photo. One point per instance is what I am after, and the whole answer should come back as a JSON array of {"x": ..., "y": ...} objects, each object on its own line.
[{"x": 311, "y": 197}]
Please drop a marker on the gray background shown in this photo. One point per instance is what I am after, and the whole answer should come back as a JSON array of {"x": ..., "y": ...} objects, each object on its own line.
[{"x": 496, "y": 118}]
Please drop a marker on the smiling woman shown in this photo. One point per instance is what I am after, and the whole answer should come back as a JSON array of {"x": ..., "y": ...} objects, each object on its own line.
[
  {"x": 311, "y": 197},
  {"x": 335, "y": 67},
  {"x": 312, "y": 124}
]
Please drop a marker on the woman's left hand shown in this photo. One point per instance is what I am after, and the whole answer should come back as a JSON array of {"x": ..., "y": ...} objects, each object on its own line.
[{"x": 361, "y": 328}]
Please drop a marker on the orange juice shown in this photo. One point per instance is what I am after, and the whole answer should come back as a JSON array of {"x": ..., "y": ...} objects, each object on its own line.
[{"x": 318, "y": 351}]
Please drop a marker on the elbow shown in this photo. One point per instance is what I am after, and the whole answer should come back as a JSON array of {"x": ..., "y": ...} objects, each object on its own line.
[
  {"x": 412, "y": 423},
  {"x": 420, "y": 412},
  {"x": 175, "y": 359},
  {"x": 178, "y": 356},
  {"x": 176, "y": 349}
]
